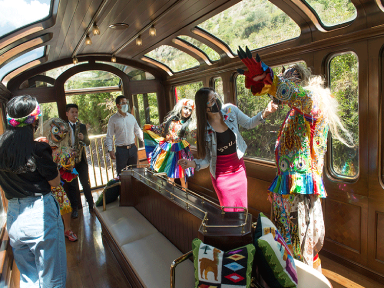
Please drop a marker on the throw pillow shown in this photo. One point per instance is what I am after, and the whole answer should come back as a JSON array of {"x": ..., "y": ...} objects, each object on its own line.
[
  {"x": 218, "y": 269},
  {"x": 111, "y": 192},
  {"x": 273, "y": 257}
]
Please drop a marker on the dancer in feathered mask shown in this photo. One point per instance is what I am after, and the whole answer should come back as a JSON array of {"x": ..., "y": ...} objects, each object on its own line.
[
  {"x": 166, "y": 144},
  {"x": 56, "y": 133},
  {"x": 298, "y": 187}
]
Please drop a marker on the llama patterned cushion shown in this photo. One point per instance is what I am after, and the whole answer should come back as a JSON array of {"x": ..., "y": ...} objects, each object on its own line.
[
  {"x": 218, "y": 269},
  {"x": 273, "y": 257}
]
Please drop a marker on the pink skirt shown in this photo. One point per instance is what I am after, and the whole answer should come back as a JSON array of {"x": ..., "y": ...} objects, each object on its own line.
[{"x": 231, "y": 182}]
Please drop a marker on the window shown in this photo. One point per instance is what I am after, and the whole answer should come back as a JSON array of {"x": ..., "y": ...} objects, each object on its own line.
[
  {"x": 333, "y": 12},
  {"x": 188, "y": 90},
  {"x": 174, "y": 58},
  {"x": 21, "y": 60},
  {"x": 90, "y": 79},
  {"x": 218, "y": 86},
  {"x": 146, "y": 110},
  {"x": 344, "y": 76},
  {"x": 56, "y": 72},
  {"x": 16, "y": 14},
  {"x": 260, "y": 140},
  {"x": 212, "y": 54},
  {"x": 49, "y": 110},
  {"x": 252, "y": 23}
]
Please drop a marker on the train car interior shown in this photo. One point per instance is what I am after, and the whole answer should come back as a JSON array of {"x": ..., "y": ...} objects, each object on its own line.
[{"x": 159, "y": 52}]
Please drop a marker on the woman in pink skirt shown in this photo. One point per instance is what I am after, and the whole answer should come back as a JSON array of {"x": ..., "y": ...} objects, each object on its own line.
[{"x": 221, "y": 146}]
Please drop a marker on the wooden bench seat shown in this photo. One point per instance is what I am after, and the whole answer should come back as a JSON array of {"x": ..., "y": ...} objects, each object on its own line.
[{"x": 148, "y": 253}]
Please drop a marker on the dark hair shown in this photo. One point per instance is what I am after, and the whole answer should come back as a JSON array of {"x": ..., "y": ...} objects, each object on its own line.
[
  {"x": 16, "y": 144},
  {"x": 118, "y": 98},
  {"x": 69, "y": 106},
  {"x": 201, "y": 99},
  {"x": 183, "y": 128}
]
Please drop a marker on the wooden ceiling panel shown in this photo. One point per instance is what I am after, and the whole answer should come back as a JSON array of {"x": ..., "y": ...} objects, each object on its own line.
[
  {"x": 75, "y": 30},
  {"x": 65, "y": 24},
  {"x": 57, "y": 28},
  {"x": 138, "y": 17},
  {"x": 167, "y": 26},
  {"x": 88, "y": 17}
]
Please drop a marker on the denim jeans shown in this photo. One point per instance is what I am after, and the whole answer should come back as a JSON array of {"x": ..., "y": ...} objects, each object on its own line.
[{"x": 36, "y": 235}]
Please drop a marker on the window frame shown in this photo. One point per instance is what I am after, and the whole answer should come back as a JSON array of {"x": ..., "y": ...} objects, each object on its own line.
[{"x": 328, "y": 158}]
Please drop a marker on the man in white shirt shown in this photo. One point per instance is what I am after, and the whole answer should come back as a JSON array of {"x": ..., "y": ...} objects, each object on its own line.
[{"x": 124, "y": 126}]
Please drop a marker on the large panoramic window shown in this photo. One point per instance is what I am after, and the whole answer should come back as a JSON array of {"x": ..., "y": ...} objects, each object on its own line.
[
  {"x": 344, "y": 76},
  {"x": 92, "y": 78},
  {"x": 212, "y": 54},
  {"x": 21, "y": 60},
  {"x": 19, "y": 13},
  {"x": 333, "y": 12},
  {"x": 174, "y": 58},
  {"x": 49, "y": 110},
  {"x": 252, "y": 23}
]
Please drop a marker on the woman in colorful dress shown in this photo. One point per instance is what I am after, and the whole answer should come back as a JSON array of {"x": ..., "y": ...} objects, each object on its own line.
[
  {"x": 297, "y": 190},
  {"x": 166, "y": 144},
  {"x": 221, "y": 146}
]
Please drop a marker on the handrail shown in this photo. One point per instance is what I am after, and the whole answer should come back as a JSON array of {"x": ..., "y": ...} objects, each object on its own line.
[
  {"x": 177, "y": 262},
  {"x": 187, "y": 201}
]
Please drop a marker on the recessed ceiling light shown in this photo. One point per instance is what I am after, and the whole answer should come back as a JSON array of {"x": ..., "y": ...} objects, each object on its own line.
[{"x": 119, "y": 26}]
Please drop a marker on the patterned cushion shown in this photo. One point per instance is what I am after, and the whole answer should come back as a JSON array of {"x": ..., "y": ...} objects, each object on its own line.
[
  {"x": 273, "y": 257},
  {"x": 217, "y": 269}
]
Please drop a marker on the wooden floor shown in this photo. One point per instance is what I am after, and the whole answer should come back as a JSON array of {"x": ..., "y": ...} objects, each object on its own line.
[{"x": 91, "y": 262}]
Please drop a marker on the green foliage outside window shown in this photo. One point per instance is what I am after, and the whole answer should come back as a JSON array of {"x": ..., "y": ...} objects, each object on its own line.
[
  {"x": 255, "y": 23},
  {"x": 344, "y": 86},
  {"x": 189, "y": 90}
]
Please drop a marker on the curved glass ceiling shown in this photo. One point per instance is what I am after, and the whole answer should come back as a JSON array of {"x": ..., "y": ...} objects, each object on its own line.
[
  {"x": 174, "y": 58},
  {"x": 252, "y": 23},
  {"x": 133, "y": 73},
  {"x": 333, "y": 12},
  {"x": 212, "y": 54},
  {"x": 18, "y": 13},
  {"x": 21, "y": 60},
  {"x": 91, "y": 79}
]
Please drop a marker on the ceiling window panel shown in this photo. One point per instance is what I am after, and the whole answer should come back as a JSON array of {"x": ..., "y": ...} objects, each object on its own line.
[
  {"x": 212, "y": 54},
  {"x": 333, "y": 13},
  {"x": 19, "y": 13},
  {"x": 21, "y": 60},
  {"x": 252, "y": 23},
  {"x": 174, "y": 58},
  {"x": 91, "y": 79}
]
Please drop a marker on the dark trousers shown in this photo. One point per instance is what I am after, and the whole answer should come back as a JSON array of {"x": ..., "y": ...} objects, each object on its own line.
[
  {"x": 72, "y": 188},
  {"x": 125, "y": 157}
]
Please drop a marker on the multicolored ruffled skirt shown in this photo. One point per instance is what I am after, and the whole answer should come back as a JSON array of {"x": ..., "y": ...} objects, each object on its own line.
[
  {"x": 163, "y": 156},
  {"x": 62, "y": 198}
]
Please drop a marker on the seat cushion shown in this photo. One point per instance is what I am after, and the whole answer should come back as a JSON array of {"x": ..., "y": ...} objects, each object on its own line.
[
  {"x": 151, "y": 258},
  {"x": 125, "y": 224},
  {"x": 310, "y": 277}
]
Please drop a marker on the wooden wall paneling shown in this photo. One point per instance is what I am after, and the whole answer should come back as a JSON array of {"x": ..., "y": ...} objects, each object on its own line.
[
  {"x": 64, "y": 25},
  {"x": 4, "y": 92},
  {"x": 42, "y": 94},
  {"x": 229, "y": 87},
  {"x": 345, "y": 218},
  {"x": 81, "y": 20},
  {"x": 376, "y": 188}
]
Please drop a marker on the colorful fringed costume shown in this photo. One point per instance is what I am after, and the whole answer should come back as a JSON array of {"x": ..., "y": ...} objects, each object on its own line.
[
  {"x": 165, "y": 146},
  {"x": 299, "y": 152},
  {"x": 55, "y": 133}
]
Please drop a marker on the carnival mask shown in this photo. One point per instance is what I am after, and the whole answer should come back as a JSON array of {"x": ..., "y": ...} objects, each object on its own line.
[{"x": 58, "y": 131}]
